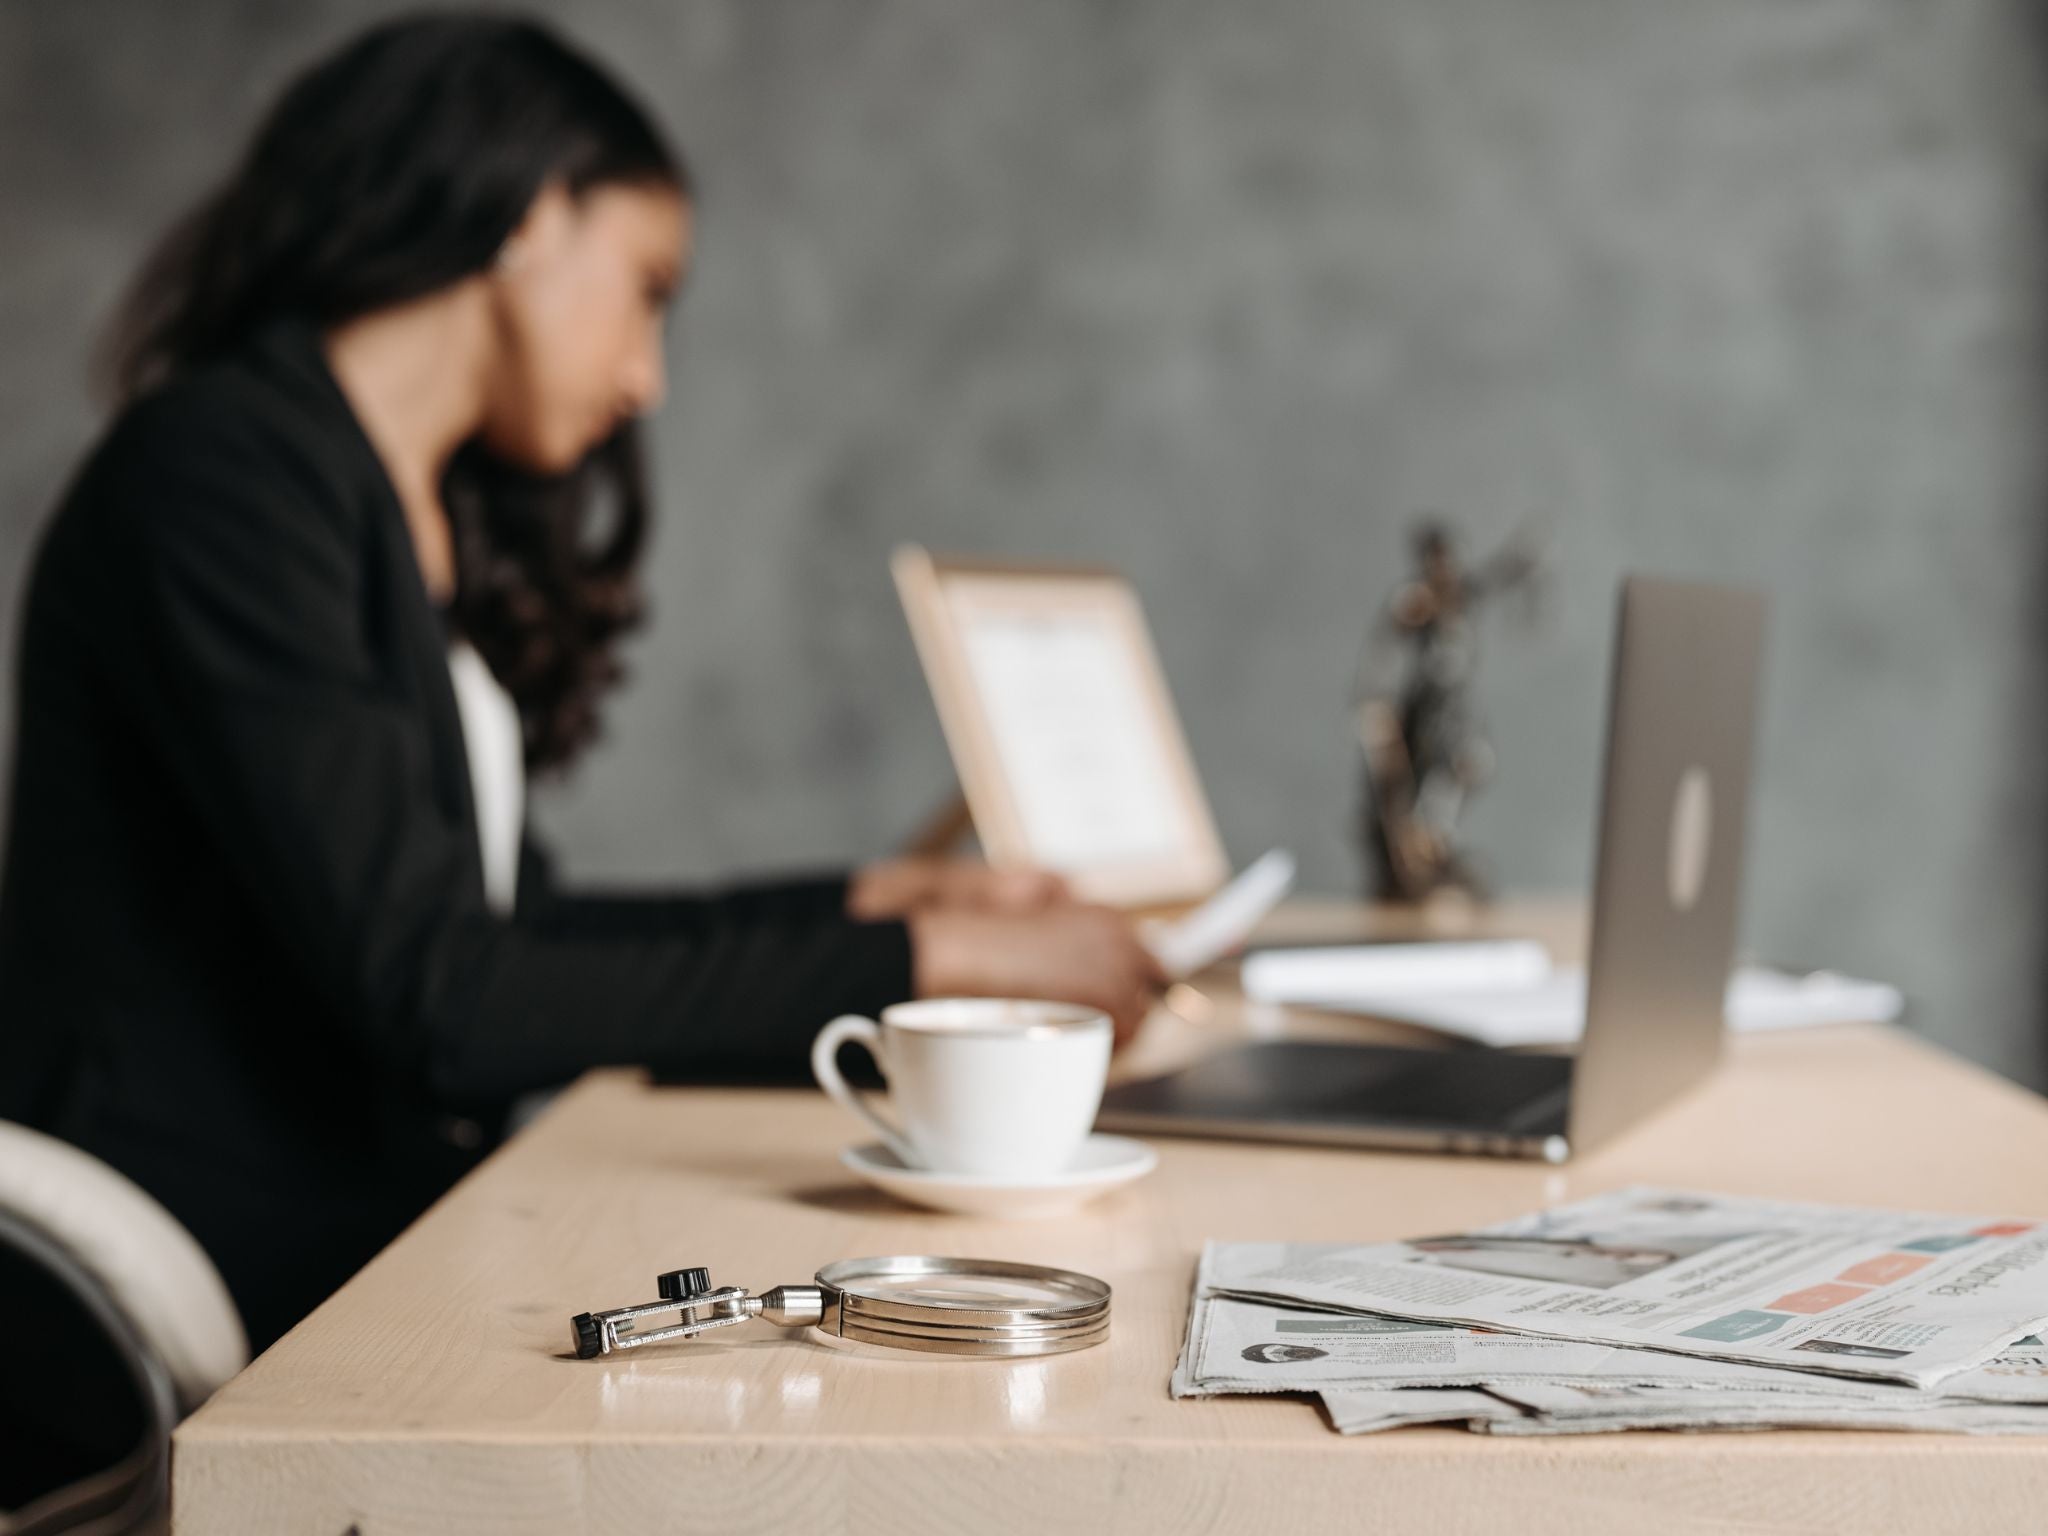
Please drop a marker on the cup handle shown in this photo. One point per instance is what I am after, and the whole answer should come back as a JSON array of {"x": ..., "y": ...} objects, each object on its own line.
[{"x": 825, "y": 1068}]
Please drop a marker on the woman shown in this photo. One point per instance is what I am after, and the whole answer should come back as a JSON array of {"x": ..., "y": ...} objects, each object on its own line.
[{"x": 364, "y": 537}]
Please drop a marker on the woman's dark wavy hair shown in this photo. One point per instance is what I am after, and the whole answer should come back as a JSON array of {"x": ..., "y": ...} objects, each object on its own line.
[{"x": 390, "y": 170}]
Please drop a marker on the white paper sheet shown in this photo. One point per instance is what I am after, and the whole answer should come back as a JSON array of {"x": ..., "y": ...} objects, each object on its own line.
[
  {"x": 1507, "y": 994},
  {"x": 1223, "y": 922}
]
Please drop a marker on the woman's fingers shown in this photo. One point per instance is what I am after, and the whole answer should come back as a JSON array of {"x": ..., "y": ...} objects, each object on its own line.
[
  {"x": 890, "y": 888},
  {"x": 1127, "y": 1020},
  {"x": 1023, "y": 890},
  {"x": 1068, "y": 953}
]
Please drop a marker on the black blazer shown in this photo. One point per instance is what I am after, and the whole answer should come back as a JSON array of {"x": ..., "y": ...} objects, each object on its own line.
[{"x": 245, "y": 955}]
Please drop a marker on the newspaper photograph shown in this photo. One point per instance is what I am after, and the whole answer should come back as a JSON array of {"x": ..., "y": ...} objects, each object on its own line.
[{"x": 1897, "y": 1296}]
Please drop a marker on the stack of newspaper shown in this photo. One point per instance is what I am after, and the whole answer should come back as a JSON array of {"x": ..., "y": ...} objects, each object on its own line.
[{"x": 1643, "y": 1309}]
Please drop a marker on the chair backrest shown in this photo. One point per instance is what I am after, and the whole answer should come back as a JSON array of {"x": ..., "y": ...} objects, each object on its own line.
[
  {"x": 91, "y": 1251},
  {"x": 86, "y": 1406},
  {"x": 151, "y": 1267}
]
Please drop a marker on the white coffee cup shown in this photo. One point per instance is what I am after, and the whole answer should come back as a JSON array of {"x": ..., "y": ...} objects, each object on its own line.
[{"x": 994, "y": 1087}]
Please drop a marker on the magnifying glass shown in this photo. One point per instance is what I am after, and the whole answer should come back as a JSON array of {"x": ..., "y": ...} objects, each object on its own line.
[{"x": 981, "y": 1307}]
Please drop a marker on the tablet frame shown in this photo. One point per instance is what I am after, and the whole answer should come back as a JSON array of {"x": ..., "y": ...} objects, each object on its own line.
[{"x": 1198, "y": 865}]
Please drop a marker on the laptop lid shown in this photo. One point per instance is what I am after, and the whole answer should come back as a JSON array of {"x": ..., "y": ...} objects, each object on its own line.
[{"x": 1681, "y": 727}]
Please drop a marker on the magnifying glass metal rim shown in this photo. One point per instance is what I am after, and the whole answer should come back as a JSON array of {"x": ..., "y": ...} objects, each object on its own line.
[
  {"x": 852, "y": 1304},
  {"x": 851, "y": 1278},
  {"x": 987, "y": 1349},
  {"x": 947, "y": 1328}
]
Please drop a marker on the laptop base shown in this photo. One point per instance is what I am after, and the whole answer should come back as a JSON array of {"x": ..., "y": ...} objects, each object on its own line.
[{"x": 1329, "y": 1093}]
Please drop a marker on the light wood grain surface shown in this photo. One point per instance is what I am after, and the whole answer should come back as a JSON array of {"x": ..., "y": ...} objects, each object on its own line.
[{"x": 433, "y": 1393}]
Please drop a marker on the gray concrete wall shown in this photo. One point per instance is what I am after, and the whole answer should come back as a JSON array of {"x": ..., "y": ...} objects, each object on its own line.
[{"x": 1224, "y": 294}]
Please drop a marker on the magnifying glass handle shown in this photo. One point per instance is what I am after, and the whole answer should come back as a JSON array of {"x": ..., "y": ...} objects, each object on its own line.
[
  {"x": 688, "y": 1293},
  {"x": 792, "y": 1306}
]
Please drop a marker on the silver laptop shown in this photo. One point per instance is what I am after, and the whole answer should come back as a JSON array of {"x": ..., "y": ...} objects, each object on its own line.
[{"x": 1681, "y": 720}]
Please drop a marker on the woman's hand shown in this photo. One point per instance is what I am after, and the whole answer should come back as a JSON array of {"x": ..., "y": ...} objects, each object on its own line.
[
  {"x": 1067, "y": 953},
  {"x": 899, "y": 887}
]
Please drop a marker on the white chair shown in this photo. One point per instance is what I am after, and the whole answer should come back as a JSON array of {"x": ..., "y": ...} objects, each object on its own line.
[{"x": 135, "y": 1272}]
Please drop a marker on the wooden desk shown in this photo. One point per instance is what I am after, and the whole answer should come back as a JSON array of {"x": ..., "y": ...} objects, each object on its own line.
[{"x": 432, "y": 1394}]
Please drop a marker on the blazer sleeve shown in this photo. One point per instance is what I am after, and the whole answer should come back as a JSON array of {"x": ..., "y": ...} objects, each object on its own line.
[
  {"x": 544, "y": 903},
  {"x": 239, "y": 579}
]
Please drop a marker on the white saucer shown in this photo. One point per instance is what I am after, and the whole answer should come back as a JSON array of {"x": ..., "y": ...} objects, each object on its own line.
[{"x": 1103, "y": 1163}]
